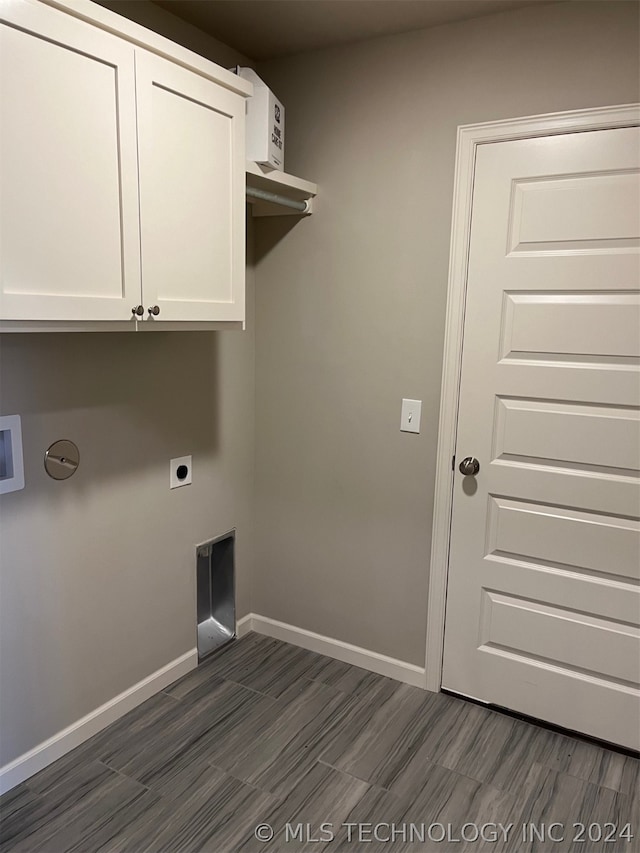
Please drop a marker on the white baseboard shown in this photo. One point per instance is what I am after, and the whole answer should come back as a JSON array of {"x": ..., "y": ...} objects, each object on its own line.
[
  {"x": 244, "y": 625},
  {"x": 409, "y": 673},
  {"x": 55, "y": 747}
]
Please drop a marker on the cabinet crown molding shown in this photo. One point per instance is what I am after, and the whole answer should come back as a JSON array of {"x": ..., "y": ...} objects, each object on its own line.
[{"x": 138, "y": 35}]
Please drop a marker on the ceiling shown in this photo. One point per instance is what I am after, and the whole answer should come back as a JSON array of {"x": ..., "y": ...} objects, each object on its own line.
[{"x": 265, "y": 29}]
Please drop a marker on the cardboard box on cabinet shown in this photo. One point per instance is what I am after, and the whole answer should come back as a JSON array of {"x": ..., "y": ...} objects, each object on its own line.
[{"x": 265, "y": 123}]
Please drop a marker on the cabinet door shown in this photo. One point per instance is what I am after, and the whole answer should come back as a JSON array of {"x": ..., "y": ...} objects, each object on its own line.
[
  {"x": 69, "y": 232},
  {"x": 192, "y": 194}
]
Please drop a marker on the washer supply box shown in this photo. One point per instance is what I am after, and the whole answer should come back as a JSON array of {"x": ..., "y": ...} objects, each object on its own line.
[{"x": 265, "y": 123}]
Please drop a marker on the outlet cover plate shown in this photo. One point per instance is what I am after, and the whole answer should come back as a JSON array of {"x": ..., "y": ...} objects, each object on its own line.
[{"x": 174, "y": 465}]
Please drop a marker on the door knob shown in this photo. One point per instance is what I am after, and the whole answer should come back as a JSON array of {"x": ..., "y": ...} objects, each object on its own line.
[
  {"x": 138, "y": 310},
  {"x": 154, "y": 310},
  {"x": 469, "y": 466}
]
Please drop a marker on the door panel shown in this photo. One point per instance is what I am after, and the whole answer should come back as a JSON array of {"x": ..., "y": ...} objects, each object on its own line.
[
  {"x": 543, "y": 603},
  {"x": 569, "y": 587},
  {"x": 563, "y": 636},
  {"x": 566, "y": 211},
  {"x": 69, "y": 190},
  {"x": 571, "y": 538},
  {"x": 192, "y": 173},
  {"x": 200, "y": 256},
  {"x": 583, "y": 435},
  {"x": 582, "y": 324},
  {"x": 561, "y": 379}
]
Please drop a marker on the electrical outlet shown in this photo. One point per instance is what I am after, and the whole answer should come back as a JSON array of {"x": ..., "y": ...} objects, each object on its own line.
[
  {"x": 180, "y": 472},
  {"x": 410, "y": 415}
]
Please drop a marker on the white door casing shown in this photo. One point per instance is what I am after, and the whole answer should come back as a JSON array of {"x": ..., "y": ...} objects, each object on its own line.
[
  {"x": 543, "y": 609},
  {"x": 69, "y": 231}
]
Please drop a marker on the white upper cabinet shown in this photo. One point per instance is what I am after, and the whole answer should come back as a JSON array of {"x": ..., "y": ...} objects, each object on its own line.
[
  {"x": 121, "y": 176},
  {"x": 192, "y": 194},
  {"x": 69, "y": 240}
]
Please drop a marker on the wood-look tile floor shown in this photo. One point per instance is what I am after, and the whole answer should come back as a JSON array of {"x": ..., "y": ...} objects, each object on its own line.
[{"x": 267, "y": 733}]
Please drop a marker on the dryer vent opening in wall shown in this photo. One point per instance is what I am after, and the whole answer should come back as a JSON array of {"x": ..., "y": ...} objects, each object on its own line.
[{"x": 216, "y": 593}]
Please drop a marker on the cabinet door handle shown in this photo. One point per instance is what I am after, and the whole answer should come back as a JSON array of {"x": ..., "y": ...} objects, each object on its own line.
[
  {"x": 138, "y": 310},
  {"x": 154, "y": 310}
]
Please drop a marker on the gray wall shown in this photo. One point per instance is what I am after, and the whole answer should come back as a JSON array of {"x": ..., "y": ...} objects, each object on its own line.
[
  {"x": 165, "y": 24},
  {"x": 351, "y": 303},
  {"x": 97, "y": 573}
]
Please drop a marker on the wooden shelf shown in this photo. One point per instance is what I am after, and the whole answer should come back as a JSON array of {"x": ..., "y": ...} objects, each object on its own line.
[{"x": 281, "y": 184}]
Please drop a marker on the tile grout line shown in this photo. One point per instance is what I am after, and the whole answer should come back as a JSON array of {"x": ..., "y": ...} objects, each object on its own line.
[
  {"x": 124, "y": 775},
  {"x": 253, "y": 690},
  {"x": 357, "y": 778},
  {"x": 170, "y": 695}
]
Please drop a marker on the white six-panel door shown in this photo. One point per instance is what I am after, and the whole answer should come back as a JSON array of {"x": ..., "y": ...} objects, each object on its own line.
[
  {"x": 543, "y": 601},
  {"x": 69, "y": 234}
]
